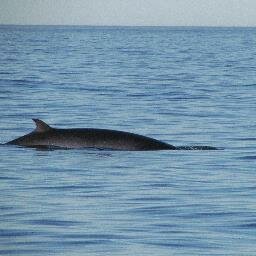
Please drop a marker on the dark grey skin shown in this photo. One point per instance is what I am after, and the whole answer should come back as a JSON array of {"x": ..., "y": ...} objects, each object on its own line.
[{"x": 45, "y": 136}]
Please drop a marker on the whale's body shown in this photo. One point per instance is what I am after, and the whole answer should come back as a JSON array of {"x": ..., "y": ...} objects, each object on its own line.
[{"x": 45, "y": 136}]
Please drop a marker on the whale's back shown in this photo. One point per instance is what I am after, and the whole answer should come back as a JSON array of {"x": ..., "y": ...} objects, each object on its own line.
[
  {"x": 46, "y": 136},
  {"x": 90, "y": 138}
]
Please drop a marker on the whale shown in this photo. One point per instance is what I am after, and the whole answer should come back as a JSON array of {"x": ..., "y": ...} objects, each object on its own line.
[{"x": 48, "y": 137}]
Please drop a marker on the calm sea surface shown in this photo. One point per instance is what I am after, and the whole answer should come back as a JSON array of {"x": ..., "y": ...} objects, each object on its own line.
[{"x": 185, "y": 86}]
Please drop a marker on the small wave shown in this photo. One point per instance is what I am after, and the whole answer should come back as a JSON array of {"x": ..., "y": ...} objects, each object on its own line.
[
  {"x": 8, "y": 178},
  {"x": 247, "y": 157},
  {"x": 50, "y": 222},
  {"x": 245, "y": 139},
  {"x": 17, "y": 232}
]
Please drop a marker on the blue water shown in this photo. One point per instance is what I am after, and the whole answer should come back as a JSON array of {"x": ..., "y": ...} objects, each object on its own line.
[{"x": 185, "y": 86}]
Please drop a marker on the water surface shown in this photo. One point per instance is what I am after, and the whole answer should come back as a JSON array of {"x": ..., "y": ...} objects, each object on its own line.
[{"x": 184, "y": 86}]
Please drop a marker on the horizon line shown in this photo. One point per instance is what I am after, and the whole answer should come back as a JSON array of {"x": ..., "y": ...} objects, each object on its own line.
[{"x": 98, "y": 25}]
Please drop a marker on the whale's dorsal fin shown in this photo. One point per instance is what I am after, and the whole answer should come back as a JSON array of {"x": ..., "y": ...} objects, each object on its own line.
[{"x": 41, "y": 126}]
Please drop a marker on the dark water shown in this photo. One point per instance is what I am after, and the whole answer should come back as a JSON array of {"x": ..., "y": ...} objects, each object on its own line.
[{"x": 185, "y": 86}]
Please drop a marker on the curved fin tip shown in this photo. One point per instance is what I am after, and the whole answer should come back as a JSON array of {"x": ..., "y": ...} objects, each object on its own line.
[{"x": 41, "y": 126}]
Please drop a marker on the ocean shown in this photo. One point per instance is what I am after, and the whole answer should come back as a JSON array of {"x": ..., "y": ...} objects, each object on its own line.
[{"x": 181, "y": 85}]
